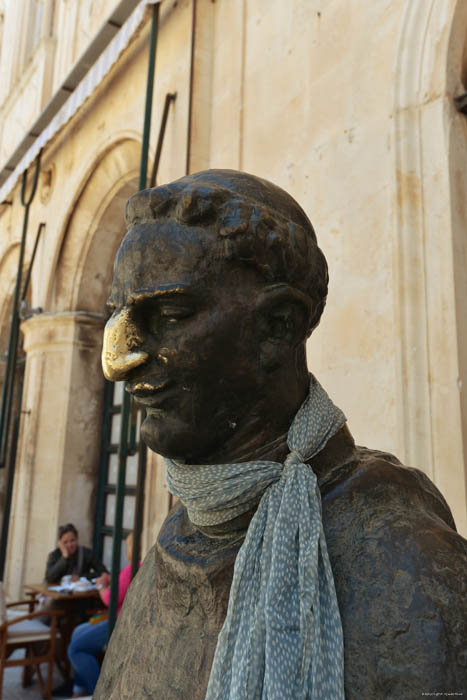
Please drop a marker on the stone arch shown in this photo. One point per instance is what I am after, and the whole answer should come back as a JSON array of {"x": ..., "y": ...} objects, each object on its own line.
[
  {"x": 93, "y": 232},
  {"x": 81, "y": 283},
  {"x": 429, "y": 225}
]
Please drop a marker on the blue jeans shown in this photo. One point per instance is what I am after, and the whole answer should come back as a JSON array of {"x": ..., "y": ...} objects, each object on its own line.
[{"x": 86, "y": 642}]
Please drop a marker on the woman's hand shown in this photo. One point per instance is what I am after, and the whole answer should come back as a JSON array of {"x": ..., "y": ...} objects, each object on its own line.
[
  {"x": 103, "y": 581},
  {"x": 63, "y": 549}
]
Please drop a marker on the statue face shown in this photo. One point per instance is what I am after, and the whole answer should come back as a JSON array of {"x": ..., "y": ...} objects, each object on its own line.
[{"x": 183, "y": 335}]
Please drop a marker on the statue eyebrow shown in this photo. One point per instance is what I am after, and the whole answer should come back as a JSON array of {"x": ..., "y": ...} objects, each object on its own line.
[
  {"x": 142, "y": 295},
  {"x": 164, "y": 291}
]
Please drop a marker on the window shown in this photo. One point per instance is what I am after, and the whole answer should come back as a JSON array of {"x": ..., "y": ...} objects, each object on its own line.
[{"x": 108, "y": 473}]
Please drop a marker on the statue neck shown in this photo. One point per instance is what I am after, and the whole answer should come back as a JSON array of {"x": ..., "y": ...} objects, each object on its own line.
[{"x": 263, "y": 434}]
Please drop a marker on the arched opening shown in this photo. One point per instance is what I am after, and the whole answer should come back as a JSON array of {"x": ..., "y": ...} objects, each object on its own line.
[
  {"x": 456, "y": 79},
  {"x": 93, "y": 232},
  {"x": 59, "y": 454},
  {"x": 93, "y": 287},
  {"x": 81, "y": 287},
  {"x": 430, "y": 270}
]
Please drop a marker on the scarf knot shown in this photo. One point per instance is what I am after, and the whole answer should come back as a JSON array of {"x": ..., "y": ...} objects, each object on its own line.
[{"x": 294, "y": 458}]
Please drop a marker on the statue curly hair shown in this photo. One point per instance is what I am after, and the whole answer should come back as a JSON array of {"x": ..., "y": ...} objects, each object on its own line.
[{"x": 257, "y": 224}]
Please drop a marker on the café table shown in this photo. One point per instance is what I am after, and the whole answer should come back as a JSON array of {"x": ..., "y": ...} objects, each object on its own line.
[{"x": 67, "y": 602}]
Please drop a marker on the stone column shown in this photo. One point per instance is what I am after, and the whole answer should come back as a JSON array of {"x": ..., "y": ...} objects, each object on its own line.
[{"x": 58, "y": 452}]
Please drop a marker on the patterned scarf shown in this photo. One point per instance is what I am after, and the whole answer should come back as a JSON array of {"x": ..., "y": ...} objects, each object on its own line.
[{"x": 282, "y": 637}]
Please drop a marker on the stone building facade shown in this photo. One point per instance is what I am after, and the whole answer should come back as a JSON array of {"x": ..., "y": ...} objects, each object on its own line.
[{"x": 349, "y": 107}]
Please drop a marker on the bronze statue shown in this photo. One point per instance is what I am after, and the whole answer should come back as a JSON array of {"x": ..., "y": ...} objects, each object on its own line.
[{"x": 218, "y": 284}]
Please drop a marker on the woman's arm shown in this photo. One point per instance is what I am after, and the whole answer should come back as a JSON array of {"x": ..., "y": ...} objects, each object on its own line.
[
  {"x": 103, "y": 585},
  {"x": 92, "y": 565},
  {"x": 124, "y": 581}
]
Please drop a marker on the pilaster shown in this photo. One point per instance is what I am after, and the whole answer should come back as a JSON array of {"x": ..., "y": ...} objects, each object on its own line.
[{"x": 58, "y": 452}]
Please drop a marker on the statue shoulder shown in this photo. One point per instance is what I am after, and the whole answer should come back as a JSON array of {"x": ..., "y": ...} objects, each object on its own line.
[
  {"x": 399, "y": 569},
  {"x": 380, "y": 509},
  {"x": 385, "y": 488}
]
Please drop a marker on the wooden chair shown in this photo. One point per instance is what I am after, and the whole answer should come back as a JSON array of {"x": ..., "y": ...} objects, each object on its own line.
[{"x": 24, "y": 630}]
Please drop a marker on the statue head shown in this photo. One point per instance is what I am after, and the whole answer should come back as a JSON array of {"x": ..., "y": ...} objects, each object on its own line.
[{"x": 217, "y": 285}]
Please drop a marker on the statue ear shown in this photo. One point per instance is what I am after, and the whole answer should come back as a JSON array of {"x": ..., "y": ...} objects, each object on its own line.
[{"x": 283, "y": 318}]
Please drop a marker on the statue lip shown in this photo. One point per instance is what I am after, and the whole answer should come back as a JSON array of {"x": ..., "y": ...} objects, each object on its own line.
[{"x": 146, "y": 393}]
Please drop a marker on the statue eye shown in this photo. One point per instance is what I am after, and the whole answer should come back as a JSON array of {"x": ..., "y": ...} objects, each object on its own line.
[
  {"x": 166, "y": 314},
  {"x": 172, "y": 314}
]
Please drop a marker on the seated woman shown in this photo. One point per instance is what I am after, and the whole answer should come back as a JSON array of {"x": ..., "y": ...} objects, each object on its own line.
[
  {"x": 71, "y": 558},
  {"x": 88, "y": 640}
]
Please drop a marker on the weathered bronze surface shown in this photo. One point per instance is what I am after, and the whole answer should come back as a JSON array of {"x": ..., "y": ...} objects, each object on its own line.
[{"x": 217, "y": 286}]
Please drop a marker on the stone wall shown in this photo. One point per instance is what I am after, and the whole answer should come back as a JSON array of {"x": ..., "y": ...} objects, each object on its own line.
[{"x": 347, "y": 107}]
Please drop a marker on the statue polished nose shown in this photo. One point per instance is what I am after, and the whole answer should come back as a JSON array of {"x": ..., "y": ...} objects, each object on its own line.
[{"x": 120, "y": 351}]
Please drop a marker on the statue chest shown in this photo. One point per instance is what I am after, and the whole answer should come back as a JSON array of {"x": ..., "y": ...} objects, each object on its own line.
[{"x": 188, "y": 605}]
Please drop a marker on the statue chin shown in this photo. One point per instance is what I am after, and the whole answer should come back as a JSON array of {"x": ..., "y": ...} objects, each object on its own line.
[
  {"x": 172, "y": 438},
  {"x": 158, "y": 435}
]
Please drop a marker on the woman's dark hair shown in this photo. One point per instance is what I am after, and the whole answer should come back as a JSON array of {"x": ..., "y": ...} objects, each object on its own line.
[{"x": 63, "y": 529}]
